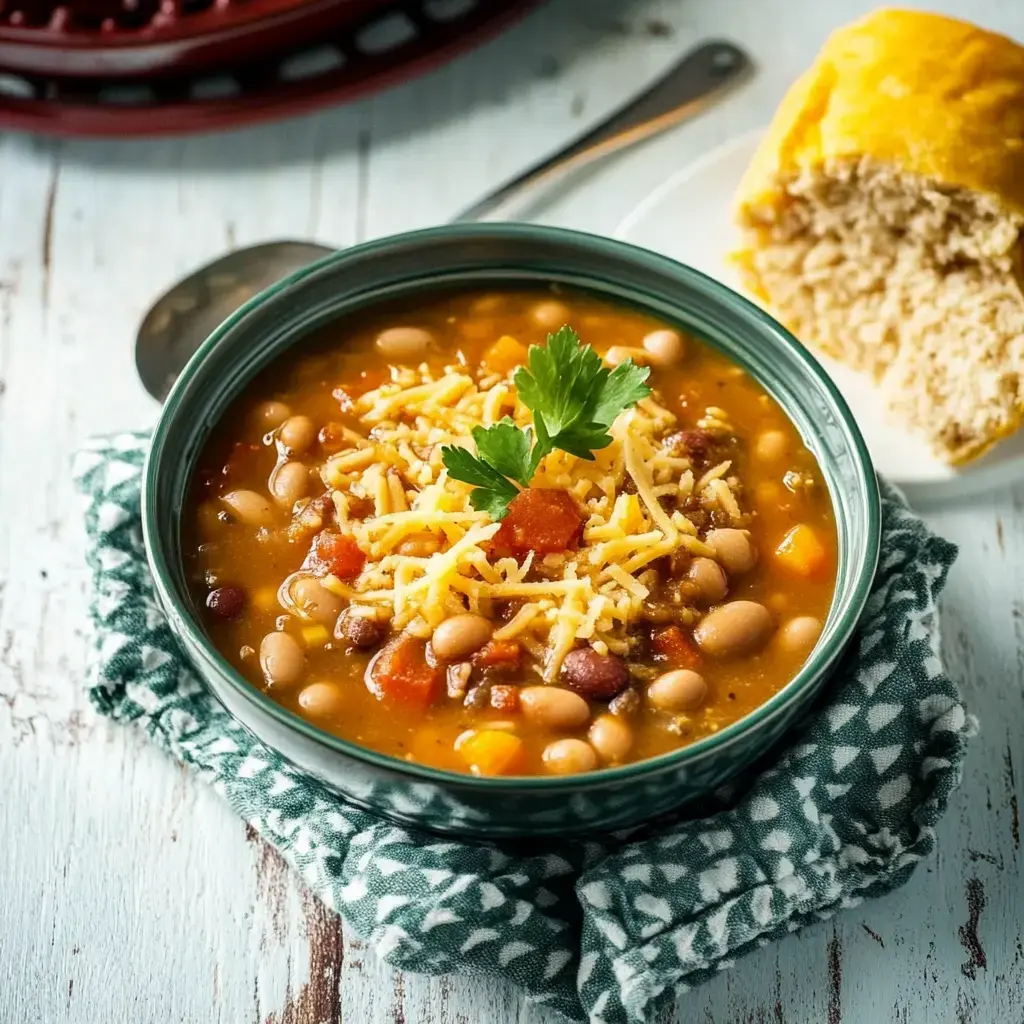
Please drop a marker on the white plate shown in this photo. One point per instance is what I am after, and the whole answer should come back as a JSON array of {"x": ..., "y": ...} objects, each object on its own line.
[{"x": 689, "y": 217}]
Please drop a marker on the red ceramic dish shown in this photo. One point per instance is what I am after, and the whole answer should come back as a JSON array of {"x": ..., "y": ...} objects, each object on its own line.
[
  {"x": 102, "y": 38},
  {"x": 385, "y": 44}
]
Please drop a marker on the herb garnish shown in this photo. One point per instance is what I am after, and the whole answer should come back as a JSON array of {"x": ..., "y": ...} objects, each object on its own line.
[{"x": 574, "y": 399}]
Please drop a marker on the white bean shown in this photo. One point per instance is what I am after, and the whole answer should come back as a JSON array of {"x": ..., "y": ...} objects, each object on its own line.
[
  {"x": 709, "y": 578},
  {"x": 611, "y": 737},
  {"x": 289, "y": 482},
  {"x": 800, "y": 634},
  {"x": 460, "y": 635},
  {"x": 281, "y": 659},
  {"x": 620, "y": 353},
  {"x": 270, "y": 415},
  {"x": 297, "y": 434},
  {"x": 316, "y": 601},
  {"x": 400, "y": 343},
  {"x": 665, "y": 347},
  {"x": 734, "y": 629},
  {"x": 550, "y": 314},
  {"x": 249, "y": 507},
  {"x": 771, "y": 446},
  {"x": 682, "y": 689},
  {"x": 552, "y": 707},
  {"x": 569, "y": 757},
  {"x": 733, "y": 549},
  {"x": 321, "y": 699}
]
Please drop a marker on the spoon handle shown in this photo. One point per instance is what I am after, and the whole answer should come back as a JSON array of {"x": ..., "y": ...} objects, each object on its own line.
[{"x": 700, "y": 78}]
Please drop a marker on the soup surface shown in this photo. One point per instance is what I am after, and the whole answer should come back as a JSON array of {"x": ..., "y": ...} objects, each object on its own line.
[{"x": 623, "y": 605}]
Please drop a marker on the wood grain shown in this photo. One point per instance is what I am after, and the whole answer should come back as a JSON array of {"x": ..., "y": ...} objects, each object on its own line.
[{"x": 130, "y": 892}]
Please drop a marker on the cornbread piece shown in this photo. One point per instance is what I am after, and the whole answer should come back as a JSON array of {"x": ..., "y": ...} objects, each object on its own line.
[{"x": 881, "y": 220}]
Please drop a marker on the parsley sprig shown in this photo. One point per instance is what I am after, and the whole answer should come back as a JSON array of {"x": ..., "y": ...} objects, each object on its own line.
[{"x": 574, "y": 399}]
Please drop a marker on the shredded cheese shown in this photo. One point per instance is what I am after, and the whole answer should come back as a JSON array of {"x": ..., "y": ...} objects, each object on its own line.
[{"x": 631, "y": 495}]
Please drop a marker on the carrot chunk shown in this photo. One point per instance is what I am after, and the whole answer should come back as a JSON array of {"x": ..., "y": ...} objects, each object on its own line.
[
  {"x": 491, "y": 752},
  {"x": 540, "y": 519},
  {"x": 505, "y": 354},
  {"x": 336, "y": 554},
  {"x": 802, "y": 552},
  {"x": 503, "y": 654},
  {"x": 401, "y": 673},
  {"x": 671, "y": 644}
]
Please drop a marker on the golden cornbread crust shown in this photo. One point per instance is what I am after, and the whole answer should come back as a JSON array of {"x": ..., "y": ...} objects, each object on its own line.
[{"x": 882, "y": 218}]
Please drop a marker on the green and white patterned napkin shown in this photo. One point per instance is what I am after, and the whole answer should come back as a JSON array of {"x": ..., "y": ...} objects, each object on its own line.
[{"x": 608, "y": 930}]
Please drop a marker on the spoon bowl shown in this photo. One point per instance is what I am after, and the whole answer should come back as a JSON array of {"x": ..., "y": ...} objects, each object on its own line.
[{"x": 187, "y": 313}]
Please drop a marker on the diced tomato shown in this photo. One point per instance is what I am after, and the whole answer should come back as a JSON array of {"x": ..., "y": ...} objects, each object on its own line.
[
  {"x": 491, "y": 752},
  {"x": 505, "y": 655},
  {"x": 540, "y": 519},
  {"x": 336, "y": 554},
  {"x": 401, "y": 673},
  {"x": 671, "y": 644}
]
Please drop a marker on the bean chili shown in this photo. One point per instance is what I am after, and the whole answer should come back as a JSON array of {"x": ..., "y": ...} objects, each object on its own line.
[{"x": 718, "y": 633}]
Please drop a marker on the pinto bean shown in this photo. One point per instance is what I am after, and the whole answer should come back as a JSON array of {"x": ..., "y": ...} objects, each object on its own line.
[
  {"x": 249, "y": 508},
  {"x": 569, "y": 757},
  {"x": 281, "y": 659},
  {"x": 313, "y": 598},
  {"x": 289, "y": 482},
  {"x": 550, "y": 314},
  {"x": 771, "y": 446},
  {"x": 733, "y": 549},
  {"x": 297, "y": 434},
  {"x": 594, "y": 676},
  {"x": 460, "y": 635},
  {"x": 270, "y": 415},
  {"x": 321, "y": 699},
  {"x": 665, "y": 347},
  {"x": 611, "y": 737},
  {"x": 709, "y": 578},
  {"x": 553, "y": 707},
  {"x": 679, "y": 690},
  {"x": 734, "y": 629},
  {"x": 800, "y": 634},
  {"x": 398, "y": 343}
]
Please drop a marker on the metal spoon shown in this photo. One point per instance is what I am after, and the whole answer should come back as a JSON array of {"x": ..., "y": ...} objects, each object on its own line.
[{"x": 181, "y": 319}]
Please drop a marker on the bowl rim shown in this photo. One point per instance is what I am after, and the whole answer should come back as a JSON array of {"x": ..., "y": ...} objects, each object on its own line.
[{"x": 821, "y": 660}]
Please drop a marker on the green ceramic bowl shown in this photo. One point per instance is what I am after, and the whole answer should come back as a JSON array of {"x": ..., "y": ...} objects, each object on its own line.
[{"x": 491, "y": 255}]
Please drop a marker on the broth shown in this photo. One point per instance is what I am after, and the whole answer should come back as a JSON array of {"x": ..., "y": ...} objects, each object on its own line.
[{"x": 315, "y": 399}]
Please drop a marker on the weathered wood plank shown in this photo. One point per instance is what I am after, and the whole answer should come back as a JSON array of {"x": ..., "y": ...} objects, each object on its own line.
[{"x": 130, "y": 891}]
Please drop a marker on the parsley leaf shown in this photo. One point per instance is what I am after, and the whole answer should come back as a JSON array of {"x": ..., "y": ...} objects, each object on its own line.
[
  {"x": 492, "y": 492},
  {"x": 574, "y": 399},
  {"x": 507, "y": 448},
  {"x": 621, "y": 389},
  {"x": 560, "y": 376}
]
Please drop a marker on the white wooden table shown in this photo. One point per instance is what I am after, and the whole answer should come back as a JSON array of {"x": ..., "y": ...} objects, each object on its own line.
[{"x": 128, "y": 891}]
